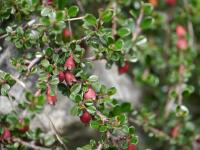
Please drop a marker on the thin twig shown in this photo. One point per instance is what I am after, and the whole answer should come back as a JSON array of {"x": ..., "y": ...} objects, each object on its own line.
[
  {"x": 33, "y": 62},
  {"x": 74, "y": 19},
  {"x": 190, "y": 25},
  {"x": 137, "y": 26},
  {"x": 156, "y": 132},
  {"x": 99, "y": 147},
  {"x": 80, "y": 6},
  {"x": 56, "y": 133},
  {"x": 114, "y": 18},
  {"x": 29, "y": 145},
  {"x": 103, "y": 117},
  {"x": 3, "y": 36},
  {"x": 92, "y": 58},
  {"x": 19, "y": 82},
  {"x": 82, "y": 39},
  {"x": 31, "y": 24}
]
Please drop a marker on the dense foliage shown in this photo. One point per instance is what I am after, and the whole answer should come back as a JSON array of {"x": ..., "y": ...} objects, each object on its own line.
[{"x": 156, "y": 42}]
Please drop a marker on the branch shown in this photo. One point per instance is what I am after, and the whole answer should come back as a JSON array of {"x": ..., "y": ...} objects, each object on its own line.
[
  {"x": 99, "y": 147},
  {"x": 80, "y": 6},
  {"x": 114, "y": 24},
  {"x": 19, "y": 81},
  {"x": 74, "y": 19},
  {"x": 151, "y": 129},
  {"x": 31, "y": 24},
  {"x": 137, "y": 26},
  {"x": 56, "y": 133},
  {"x": 82, "y": 39},
  {"x": 190, "y": 25},
  {"x": 29, "y": 145},
  {"x": 3, "y": 36},
  {"x": 33, "y": 62}
]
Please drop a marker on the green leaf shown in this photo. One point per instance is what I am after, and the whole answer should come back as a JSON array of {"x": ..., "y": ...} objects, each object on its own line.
[
  {"x": 182, "y": 111},
  {"x": 46, "y": 11},
  {"x": 90, "y": 19},
  {"x": 4, "y": 89},
  {"x": 134, "y": 139},
  {"x": 119, "y": 44},
  {"x": 121, "y": 118},
  {"x": 94, "y": 124},
  {"x": 107, "y": 15},
  {"x": 147, "y": 23},
  {"x": 60, "y": 15},
  {"x": 61, "y": 3},
  {"x": 54, "y": 81},
  {"x": 49, "y": 140},
  {"x": 45, "y": 63},
  {"x": 148, "y": 8},
  {"x": 123, "y": 32},
  {"x": 125, "y": 129},
  {"x": 76, "y": 88},
  {"x": 131, "y": 130},
  {"x": 12, "y": 119},
  {"x": 141, "y": 41},
  {"x": 111, "y": 91},
  {"x": 93, "y": 78},
  {"x": 45, "y": 21},
  {"x": 126, "y": 107},
  {"x": 73, "y": 11},
  {"x": 89, "y": 103},
  {"x": 91, "y": 109},
  {"x": 75, "y": 97},
  {"x": 102, "y": 128},
  {"x": 75, "y": 111}
]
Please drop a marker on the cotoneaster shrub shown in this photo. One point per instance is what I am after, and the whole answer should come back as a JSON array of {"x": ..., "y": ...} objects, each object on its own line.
[{"x": 158, "y": 47}]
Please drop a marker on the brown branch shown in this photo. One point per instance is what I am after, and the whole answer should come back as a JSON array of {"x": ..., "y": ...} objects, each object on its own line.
[
  {"x": 99, "y": 147},
  {"x": 156, "y": 132},
  {"x": 33, "y": 62},
  {"x": 56, "y": 133},
  {"x": 114, "y": 19},
  {"x": 92, "y": 58},
  {"x": 3, "y": 36},
  {"x": 19, "y": 81},
  {"x": 29, "y": 145},
  {"x": 190, "y": 25},
  {"x": 80, "y": 6},
  {"x": 82, "y": 39},
  {"x": 137, "y": 26},
  {"x": 115, "y": 139},
  {"x": 103, "y": 117},
  {"x": 74, "y": 19}
]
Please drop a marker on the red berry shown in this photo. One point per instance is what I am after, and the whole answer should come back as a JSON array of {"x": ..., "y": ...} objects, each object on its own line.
[
  {"x": 66, "y": 33},
  {"x": 51, "y": 99},
  {"x": 6, "y": 134},
  {"x": 69, "y": 78},
  {"x": 24, "y": 127},
  {"x": 90, "y": 94},
  {"x": 61, "y": 76},
  {"x": 124, "y": 68},
  {"x": 180, "y": 31},
  {"x": 50, "y": 2},
  {"x": 85, "y": 117},
  {"x": 174, "y": 132},
  {"x": 181, "y": 44},
  {"x": 70, "y": 64},
  {"x": 131, "y": 146},
  {"x": 198, "y": 139},
  {"x": 170, "y": 2}
]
